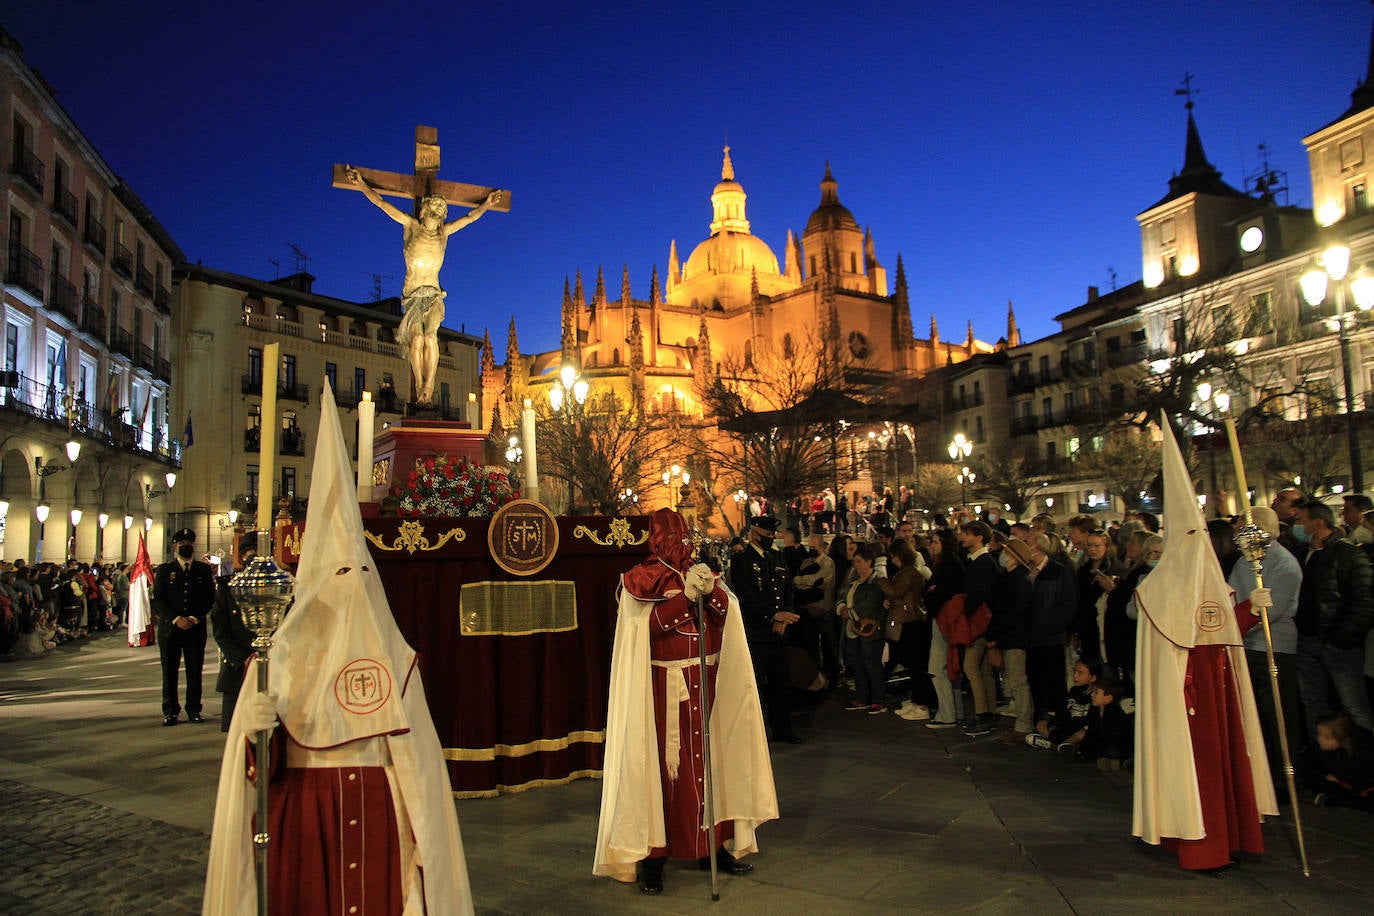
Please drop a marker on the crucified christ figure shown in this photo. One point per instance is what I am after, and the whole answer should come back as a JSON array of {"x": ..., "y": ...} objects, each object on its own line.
[{"x": 426, "y": 239}]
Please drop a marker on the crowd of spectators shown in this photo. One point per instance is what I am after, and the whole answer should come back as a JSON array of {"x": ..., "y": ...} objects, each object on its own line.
[
  {"x": 43, "y": 605},
  {"x": 1029, "y": 629}
]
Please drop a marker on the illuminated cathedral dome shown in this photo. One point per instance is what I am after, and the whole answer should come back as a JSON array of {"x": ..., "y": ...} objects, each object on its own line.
[
  {"x": 831, "y": 214},
  {"x": 731, "y": 248}
]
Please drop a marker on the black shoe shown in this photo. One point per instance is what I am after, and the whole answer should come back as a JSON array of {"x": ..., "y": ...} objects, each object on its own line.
[
  {"x": 650, "y": 875},
  {"x": 195, "y": 717},
  {"x": 169, "y": 720},
  {"x": 725, "y": 863}
]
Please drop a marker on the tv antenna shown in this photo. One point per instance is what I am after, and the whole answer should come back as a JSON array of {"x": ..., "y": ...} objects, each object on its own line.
[
  {"x": 276, "y": 267},
  {"x": 1267, "y": 183},
  {"x": 300, "y": 261},
  {"x": 377, "y": 285}
]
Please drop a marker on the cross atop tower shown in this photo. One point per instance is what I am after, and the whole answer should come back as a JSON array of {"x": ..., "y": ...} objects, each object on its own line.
[{"x": 1187, "y": 91}]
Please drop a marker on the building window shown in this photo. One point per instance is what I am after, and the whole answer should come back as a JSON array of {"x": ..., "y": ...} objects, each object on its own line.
[
  {"x": 977, "y": 392},
  {"x": 288, "y": 482},
  {"x": 1044, "y": 369},
  {"x": 331, "y": 372},
  {"x": 963, "y": 397},
  {"x": 853, "y": 263},
  {"x": 252, "y": 487},
  {"x": 1047, "y": 409},
  {"x": 1113, "y": 344},
  {"x": 443, "y": 394},
  {"x": 1261, "y": 316},
  {"x": 1071, "y": 448},
  {"x": 359, "y": 381},
  {"x": 978, "y": 429},
  {"x": 1050, "y": 452},
  {"x": 1118, "y": 395},
  {"x": 1359, "y": 197},
  {"x": 1166, "y": 231},
  {"x": 288, "y": 370},
  {"x": 255, "y": 366}
]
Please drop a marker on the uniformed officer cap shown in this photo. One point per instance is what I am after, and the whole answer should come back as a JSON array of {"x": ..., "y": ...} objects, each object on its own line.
[
  {"x": 766, "y": 522},
  {"x": 185, "y": 534}
]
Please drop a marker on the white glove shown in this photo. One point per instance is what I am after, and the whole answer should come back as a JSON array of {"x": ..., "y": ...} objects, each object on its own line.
[
  {"x": 698, "y": 581},
  {"x": 260, "y": 713},
  {"x": 1260, "y": 598}
]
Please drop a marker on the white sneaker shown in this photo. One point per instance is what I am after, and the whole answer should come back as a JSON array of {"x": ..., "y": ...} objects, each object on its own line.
[
  {"x": 906, "y": 704},
  {"x": 914, "y": 713}
]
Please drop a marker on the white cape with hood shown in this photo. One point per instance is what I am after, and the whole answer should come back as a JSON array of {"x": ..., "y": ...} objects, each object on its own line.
[
  {"x": 340, "y": 632},
  {"x": 631, "y": 794},
  {"x": 1184, "y": 602}
]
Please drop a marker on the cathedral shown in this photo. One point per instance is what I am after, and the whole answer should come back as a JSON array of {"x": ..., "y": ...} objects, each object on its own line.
[{"x": 729, "y": 298}]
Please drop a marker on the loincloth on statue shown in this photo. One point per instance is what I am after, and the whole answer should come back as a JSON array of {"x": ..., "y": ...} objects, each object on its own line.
[{"x": 417, "y": 305}]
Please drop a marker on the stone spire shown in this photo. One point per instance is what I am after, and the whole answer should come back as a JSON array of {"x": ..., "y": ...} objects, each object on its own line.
[
  {"x": 969, "y": 342},
  {"x": 512, "y": 354},
  {"x": 703, "y": 366},
  {"x": 636, "y": 342},
  {"x": 655, "y": 292},
  {"x": 934, "y": 332},
  {"x": 727, "y": 168},
  {"x": 674, "y": 267},
  {"x": 569, "y": 343},
  {"x": 488, "y": 371},
  {"x": 599, "y": 296},
  {"x": 625, "y": 287},
  {"x": 1013, "y": 332},
  {"x": 579, "y": 296},
  {"x": 728, "y": 202},
  {"x": 901, "y": 305},
  {"x": 792, "y": 259}
]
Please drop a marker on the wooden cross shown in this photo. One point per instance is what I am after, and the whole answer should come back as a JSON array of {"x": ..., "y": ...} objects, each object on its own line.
[{"x": 425, "y": 181}]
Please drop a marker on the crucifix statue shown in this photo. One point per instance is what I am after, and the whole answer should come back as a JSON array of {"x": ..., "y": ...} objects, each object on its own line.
[{"x": 426, "y": 238}]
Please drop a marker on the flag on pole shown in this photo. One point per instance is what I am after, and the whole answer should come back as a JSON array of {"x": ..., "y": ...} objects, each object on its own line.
[
  {"x": 140, "y": 603},
  {"x": 187, "y": 436}
]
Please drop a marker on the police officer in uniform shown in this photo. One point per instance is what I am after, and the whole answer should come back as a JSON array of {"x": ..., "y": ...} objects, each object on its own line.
[
  {"x": 758, "y": 575},
  {"x": 232, "y": 635},
  {"x": 183, "y": 594}
]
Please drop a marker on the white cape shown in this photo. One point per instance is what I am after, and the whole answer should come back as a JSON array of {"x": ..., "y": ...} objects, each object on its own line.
[
  {"x": 631, "y": 795},
  {"x": 1184, "y": 602},
  {"x": 343, "y": 675},
  {"x": 140, "y": 604}
]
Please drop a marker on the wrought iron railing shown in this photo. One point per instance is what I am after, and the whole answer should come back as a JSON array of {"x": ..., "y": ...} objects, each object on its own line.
[
  {"x": 64, "y": 205},
  {"x": 64, "y": 298},
  {"x": 94, "y": 233},
  {"x": 122, "y": 260},
  {"x": 24, "y": 269},
  {"x": 143, "y": 281},
  {"x": 28, "y": 167},
  {"x": 43, "y": 402}
]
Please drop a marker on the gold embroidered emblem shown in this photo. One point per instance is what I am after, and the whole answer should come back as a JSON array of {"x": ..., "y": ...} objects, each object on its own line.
[
  {"x": 410, "y": 537},
  {"x": 523, "y": 537},
  {"x": 1210, "y": 616},
  {"x": 619, "y": 535}
]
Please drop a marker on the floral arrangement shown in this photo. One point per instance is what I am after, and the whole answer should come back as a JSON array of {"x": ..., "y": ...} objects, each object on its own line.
[{"x": 445, "y": 487}]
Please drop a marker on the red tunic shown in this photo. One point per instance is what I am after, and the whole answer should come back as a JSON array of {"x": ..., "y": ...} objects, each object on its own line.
[
  {"x": 1226, "y": 789},
  {"x": 674, "y": 652}
]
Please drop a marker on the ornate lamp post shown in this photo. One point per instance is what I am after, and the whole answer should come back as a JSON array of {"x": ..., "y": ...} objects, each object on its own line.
[
  {"x": 674, "y": 473},
  {"x": 1332, "y": 267},
  {"x": 965, "y": 477},
  {"x": 1209, "y": 398},
  {"x": 262, "y": 590}
]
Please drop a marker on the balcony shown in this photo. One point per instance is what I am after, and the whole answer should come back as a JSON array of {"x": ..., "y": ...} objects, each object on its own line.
[
  {"x": 163, "y": 369},
  {"x": 144, "y": 358},
  {"x": 358, "y": 342},
  {"x": 94, "y": 234},
  {"x": 33, "y": 399},
  {"x": 64, "y": 299},
  {"x": 123, "y": 343},
  {"x": 292, "y": 442},
  {"x": 1020, "y": 382},
  {"x": 954, "y": 403},
  {"x": 386, "y": 348},
  {"x": 1126, "y": 357},
  {"x": 293, "y": 392},
  {"x": 251, "y": 383},
  {"x": 64, "y": 205},
  {"x": 143, "y": 281},
  {"x": 93, "y": 319},
  {"x": 1023, "y": 426},
  {"x": 251, "y": 439},
  {"x": 122, "y": 260},
  {"x": 24, "y": 270},
  {"x": 28, "y": 167}
]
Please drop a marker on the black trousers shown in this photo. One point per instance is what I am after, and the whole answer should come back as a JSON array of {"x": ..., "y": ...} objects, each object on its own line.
[
  {"x": 1045, "y": 671},
  {"x": 1286, "y": 662},
  {"x": 179, "y": 645},
  {"x": 773, "y": 674}
]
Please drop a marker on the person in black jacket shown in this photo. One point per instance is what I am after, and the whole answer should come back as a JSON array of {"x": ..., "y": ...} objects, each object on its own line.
[
  {"x": 980, "y": 573},
  {"x": 183, "y": 593},
  {"x": 1009, "y": 633},
  {"x": 233, "y": 637},
  {"x": 1335, "y": 612},
  {"x": 759, "y": 577},
  {"x": 1052, "y": 610},
  {"x": 1108, "y": 734}
]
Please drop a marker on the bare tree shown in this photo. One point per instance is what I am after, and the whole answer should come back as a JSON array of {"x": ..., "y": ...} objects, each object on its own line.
[
  {"x": 1012, "y": 480},
  {"x": 1308, "y": 454},
  {"x": 598, "y": 450},
  {"x": 1128, "y": 465},
  {"x": 937, "y": 486}
]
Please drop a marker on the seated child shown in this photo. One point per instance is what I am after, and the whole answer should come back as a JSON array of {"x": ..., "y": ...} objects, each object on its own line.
[
  {"x": 1108, "y": 735},
  {"x": 1339, "y": 765},
  {"x": 1062, "y": 733}
]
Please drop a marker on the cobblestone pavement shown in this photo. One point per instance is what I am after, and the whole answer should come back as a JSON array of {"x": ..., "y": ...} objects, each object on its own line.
[{"x": 104, "y": 811}]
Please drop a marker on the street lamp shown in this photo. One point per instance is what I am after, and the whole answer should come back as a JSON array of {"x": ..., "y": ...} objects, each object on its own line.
[
  {"x": 960, "y": 447},
  {"x": 1333, "y": 266},
  {"x": 1209, "y": 397},
  {"x": 965, "y": 477},
  {"x": 675, "y": 472},
  {"x": 571, "y": 388}
]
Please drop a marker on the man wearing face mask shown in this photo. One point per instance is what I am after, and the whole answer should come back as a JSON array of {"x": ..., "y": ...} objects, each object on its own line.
[{"x": 183, "y": 595}]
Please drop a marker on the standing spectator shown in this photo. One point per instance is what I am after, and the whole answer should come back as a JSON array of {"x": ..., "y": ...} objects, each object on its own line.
[
  {"x": 1118, "y": 627},
  {"x": 814, "y": 600},
  {"x": 1052, "y": 610},
  {"x": 946, "y": 581},
  {"x": 1352, "y": 516},
  {"x": 865, "y": 621},
  {"x": 759, "y": 577},
  {"x": 183, "y": 593},
  {"x": 1080, "y": 526},
  {"x": 903, "y": 590},
  {"x": 1335, "y": 611},
  {"x": 980, "y": 573},
  {"x": 842, "y": 512},
  {"x": 1283, "y": 579},
  {"x": 1098, "y": 575},
  {"x": 121, "y": 589},
  {"x": 1284, "y": 504},
  {"x": 1009, "y": 633}
]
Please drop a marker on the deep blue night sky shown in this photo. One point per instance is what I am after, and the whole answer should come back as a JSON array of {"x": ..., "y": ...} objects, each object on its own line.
[{"x": 1003, "y": 148}]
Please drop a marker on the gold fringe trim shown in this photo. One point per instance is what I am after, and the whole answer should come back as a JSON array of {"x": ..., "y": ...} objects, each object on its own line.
[
  {"x": 538, "y": 746},
  {"x": 526, "y": 786}
]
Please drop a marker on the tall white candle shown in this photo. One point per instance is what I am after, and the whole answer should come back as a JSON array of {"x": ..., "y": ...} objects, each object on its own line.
[
  {"x": 531, "y": 463},
  {"x": 267, "y": 438},
  {"x": 367, "y": 421}
]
